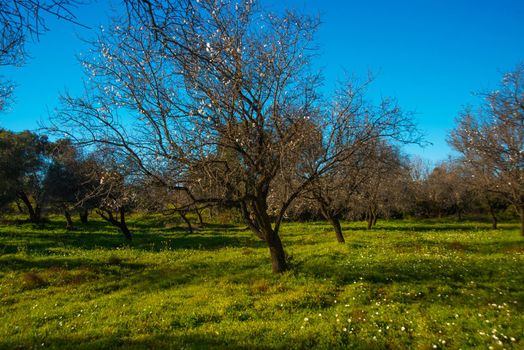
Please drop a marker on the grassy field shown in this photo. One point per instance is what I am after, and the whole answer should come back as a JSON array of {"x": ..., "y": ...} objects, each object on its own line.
[{"x": 419, "y": 285}]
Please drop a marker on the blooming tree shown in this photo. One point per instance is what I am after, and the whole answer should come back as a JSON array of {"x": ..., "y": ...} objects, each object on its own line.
[
  {"x": 23, "y": 19},
  {"x": 219, "y": 100},
  {"x": 491, "y": 139}
]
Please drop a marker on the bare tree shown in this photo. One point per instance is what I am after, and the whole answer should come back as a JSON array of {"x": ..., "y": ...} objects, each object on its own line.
[
  {"x": 358, "y": 149},
  {"x": 154, "y": 197},
  {"x": 383, "y": 190},
  {"x": 111, "y": 187},
  {"x": 491, "y": 139},
  {"x": 23, "y": 20},
  {"x": 218, "y": 100},
  {"x": 479, "y": 183}
]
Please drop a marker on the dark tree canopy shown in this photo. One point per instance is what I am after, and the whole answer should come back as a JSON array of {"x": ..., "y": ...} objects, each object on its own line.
[{"x": 22, "y": 165}]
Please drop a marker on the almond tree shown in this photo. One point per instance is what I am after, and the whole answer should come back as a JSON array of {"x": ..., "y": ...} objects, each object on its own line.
[
  {"x": 491, "y": 139},
  {"x": 384, "y": 188},
  {"x": 112, "y": 187},
  {"x": 23, "y": 20},
  {"x": 359, "y": 153},
  {"x": 218, "y": 99}
]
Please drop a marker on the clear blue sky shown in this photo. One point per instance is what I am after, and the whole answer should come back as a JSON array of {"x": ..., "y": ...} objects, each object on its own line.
[{"x": 431, "y": 55}]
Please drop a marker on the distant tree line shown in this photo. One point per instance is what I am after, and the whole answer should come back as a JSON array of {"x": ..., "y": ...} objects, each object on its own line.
[{"x": 203, "y": 104}]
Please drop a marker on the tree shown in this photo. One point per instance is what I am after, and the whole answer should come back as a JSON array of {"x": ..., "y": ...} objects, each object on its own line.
[
  {"x": 23, "y": 19},
  {"x": 224, "y": 89},
  {"x": 383, "y": 190},
  {"x": 448, "y": 189},
  {"x": 68, "y": 180},
  {"x": 491, "y": 139},
  {"x": 361, "y": 134},
  {"x": 156, "y": 198},
  {"x": 22, "y": 168},
  {"x": 113, "y": 189}
]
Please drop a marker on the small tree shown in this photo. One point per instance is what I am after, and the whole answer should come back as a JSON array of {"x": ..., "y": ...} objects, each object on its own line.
[
  {"x": 114, "y": 191},
  {"x": 22, "y": 169},
  {"x": 491, "y": 139},
  {"x": 359, "y": 133},
  {"x": 68, "y": 180}
]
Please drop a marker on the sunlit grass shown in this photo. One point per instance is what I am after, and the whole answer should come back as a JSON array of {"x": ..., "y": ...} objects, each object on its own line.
[{"x": 402, "y": 285}]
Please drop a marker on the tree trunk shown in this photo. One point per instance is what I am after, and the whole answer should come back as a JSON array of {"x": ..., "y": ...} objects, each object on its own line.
[
  {"x": 34, "y": 215},
  {"x": 278, "y": 256},
  {"x": 522, "y": 221},
  {"x": 123, "y": 225},
  {"x": 375, "y": 218},
  {"x": 335, "y": 222},
  {"x": 251, "y": 223},
  {"x": 20, "y": 210},
  {"x": 69, "y": 221},
  {"x": 369, "y": 217},
  {"x": 84, "y": 213},
  {"x": 200, "y": 220},
  {"x": 493, "y": 217},
  {"x": 260, "y": 224},
  {"x": 38, "y": 212},
  {"x": 125, "y": 231},
  {"x": 186, "y": 220}
]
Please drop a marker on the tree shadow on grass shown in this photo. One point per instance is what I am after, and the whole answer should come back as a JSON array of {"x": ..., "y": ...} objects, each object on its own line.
[
  {"x": 342, "y": 270},
  {"x": 455, "y": 246},
  {"x": 98, "y": 234},
  {"x": 21, "y": 264},
  {"x": 440, "y": 227},
  {"x": 189, "y": 340}
]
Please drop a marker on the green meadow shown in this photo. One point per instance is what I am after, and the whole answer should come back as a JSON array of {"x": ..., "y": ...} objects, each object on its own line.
[{"x": 403, "y": 285}]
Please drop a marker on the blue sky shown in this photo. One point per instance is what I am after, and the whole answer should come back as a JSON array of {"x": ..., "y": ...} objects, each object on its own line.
[{"x": 430, "y": 55}]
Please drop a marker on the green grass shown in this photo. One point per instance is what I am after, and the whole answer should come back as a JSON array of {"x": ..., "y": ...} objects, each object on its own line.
[{"x": 419, "y": 285}]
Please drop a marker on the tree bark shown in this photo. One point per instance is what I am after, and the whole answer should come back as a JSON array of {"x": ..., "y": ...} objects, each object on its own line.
[
  {"x": 278, "y": 256},
  {"x": 69, "y": 225},
  {"x": 335, "y": 222},
  {"x": 369, "y": 218},
  {"x": 200, "y": 219},
  {"x": 493, "y": 217},
  {"x": 126, "y": 232},
  {"x": 522, "y": 221},
  {"x": 34, "y": 213},
  {"x": 20, "y": 210},
  {"x": 186, "y": 220},
  {"x": 84, "y": 214},
  {"x": 250, "y": 222},
  {"x": 260, "y": 224},
  {"x": 123, "y": 225}
]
